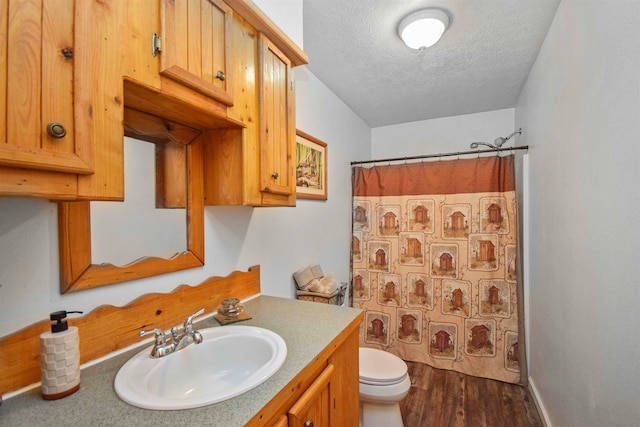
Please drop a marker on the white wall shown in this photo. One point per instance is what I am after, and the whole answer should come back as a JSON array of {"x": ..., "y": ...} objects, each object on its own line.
[
  {"x": 581, "y": 109},
  {"x": 281, "y": 240},
  {"x": 448, "y": 134},
  {"x": 287, "y": 15}
]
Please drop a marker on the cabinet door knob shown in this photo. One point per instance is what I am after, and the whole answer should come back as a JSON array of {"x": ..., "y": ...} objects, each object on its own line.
[
  {"x": 56, "y": 130},
  {"x": 275, "y": 175},
  {"x": 220, "y": 76},
  {"x": 308, "y": 423}
]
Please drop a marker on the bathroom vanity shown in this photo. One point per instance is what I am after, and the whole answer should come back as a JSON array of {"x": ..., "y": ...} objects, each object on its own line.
[{"x": 318, "y": 381}]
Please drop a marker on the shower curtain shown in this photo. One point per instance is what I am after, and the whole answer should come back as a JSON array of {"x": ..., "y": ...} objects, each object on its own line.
[{"x": 435, "y": 265}]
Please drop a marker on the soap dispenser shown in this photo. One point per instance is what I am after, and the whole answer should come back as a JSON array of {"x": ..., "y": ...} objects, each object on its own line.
[{"x": 60, "y": 358}]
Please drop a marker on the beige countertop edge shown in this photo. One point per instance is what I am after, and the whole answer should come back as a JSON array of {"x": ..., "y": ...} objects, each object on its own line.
[{"x": 307, "y": 328}]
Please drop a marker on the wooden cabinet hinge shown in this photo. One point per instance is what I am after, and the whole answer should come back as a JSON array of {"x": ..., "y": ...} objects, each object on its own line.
[{"x": 156, "y": 44}]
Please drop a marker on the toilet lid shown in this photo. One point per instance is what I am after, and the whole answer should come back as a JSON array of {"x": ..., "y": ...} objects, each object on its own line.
[{"x": 378, "y": 367}]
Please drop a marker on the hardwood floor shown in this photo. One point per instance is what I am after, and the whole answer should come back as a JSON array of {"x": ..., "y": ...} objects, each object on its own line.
[{"x": 440, "y": 398}]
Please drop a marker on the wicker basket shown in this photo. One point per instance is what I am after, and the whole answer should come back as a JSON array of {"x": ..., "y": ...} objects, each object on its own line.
[{"x": 335, "y": 298}]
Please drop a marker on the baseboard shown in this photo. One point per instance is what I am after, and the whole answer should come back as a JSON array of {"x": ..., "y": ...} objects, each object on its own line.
[{"x": 533, "y": 391}]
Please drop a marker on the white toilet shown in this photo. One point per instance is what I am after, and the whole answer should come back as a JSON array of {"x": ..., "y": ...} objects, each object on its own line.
[{"x": 384, "y": 382}]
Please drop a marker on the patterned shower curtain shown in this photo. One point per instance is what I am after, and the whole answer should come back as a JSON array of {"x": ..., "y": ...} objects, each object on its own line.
[{"x": 434, "y": 264}]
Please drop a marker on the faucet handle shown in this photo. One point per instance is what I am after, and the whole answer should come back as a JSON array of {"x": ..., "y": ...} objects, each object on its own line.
[
  {"x": 159, "y": 334},
  {"x": 160, "y": 349},
  {"x": 188, "y": 324},
  {"x": 197, "y": 337},
  {"x": 175, "y": 333}
]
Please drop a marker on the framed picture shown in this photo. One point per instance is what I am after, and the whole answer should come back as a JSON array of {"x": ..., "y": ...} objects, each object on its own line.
[{"x": 311, "y": 167}]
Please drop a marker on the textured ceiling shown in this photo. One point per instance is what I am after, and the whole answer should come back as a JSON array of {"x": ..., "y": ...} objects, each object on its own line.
[{"x": 480, "y": 64}]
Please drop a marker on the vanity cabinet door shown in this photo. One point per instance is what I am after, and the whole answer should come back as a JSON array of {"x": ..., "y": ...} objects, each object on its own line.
[
  {"x": 277, "y": 121},
  {"x": 36, "y": 86},
  {"x": 313, "y": 409},
  {"x": 194, "y": 48}
]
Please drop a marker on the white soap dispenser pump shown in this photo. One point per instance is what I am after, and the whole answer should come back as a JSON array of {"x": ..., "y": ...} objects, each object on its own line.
[{"x": 60, "y": 358}]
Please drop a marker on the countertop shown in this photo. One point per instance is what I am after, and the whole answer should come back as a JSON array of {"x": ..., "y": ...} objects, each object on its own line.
[{"x": 306, "y": 327}]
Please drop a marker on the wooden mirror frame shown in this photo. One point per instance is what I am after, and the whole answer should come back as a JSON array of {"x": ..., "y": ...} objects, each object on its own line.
[{"x": 74, "y": 218}]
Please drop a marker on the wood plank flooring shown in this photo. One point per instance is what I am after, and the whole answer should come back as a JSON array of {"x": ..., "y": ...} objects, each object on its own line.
[{"x": 440, "y": 398}]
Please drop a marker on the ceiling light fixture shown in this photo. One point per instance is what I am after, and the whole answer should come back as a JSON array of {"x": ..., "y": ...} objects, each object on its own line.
[{"x": 423, "y": 28}]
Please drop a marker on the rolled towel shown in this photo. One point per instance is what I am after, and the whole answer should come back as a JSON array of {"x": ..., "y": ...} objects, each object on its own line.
[
  {"x": 330, "y": 283},
  {"x": 316, "y": 286},
  {"x": 325, "y": 285},
  {"x": 303, "y": 278},
  {"x": 316, "y": 271}
]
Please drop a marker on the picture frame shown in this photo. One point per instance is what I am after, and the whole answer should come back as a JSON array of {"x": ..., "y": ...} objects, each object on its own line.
[{"x": 311, "y": 167}]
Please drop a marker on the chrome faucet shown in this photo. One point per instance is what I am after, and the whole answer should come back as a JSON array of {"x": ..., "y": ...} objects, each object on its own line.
[
  {"x": 188, "y": 335},
  {"x": 160, "y": 348},
  {"x": 178, "y": 340}
]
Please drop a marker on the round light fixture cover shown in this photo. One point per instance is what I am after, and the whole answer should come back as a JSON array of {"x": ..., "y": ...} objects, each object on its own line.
[{"x": 423, "y": 28}]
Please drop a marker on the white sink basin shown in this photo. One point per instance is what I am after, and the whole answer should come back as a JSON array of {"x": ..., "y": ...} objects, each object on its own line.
[{"x": 230, "y": 361}]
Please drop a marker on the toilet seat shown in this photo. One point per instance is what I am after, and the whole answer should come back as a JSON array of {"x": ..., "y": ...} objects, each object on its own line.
[
  {"x": 386, "y": 394},
  {"x": 380, "y": 368}
]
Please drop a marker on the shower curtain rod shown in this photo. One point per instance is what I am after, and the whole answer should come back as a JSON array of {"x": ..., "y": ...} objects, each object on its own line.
[{"x": 428, "y": 156}]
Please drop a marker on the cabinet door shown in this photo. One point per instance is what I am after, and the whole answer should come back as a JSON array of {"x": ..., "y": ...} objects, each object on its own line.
[
  {"x": 36, "y": 85},
  {"x": 313, "y": 409},
  {"x": 195, "y": 50},
  {"x": 277, "y": 120}
]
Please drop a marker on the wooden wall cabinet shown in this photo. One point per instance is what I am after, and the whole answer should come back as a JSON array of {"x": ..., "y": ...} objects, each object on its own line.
[
  {"x": 277, "y": 121},
  {"x": 194, "y": 48},
  {"x": 64, "y": 61},
  {"x": 37, "y": 88},
  {"x": 223, "y": 67},
  {"x": 255, "y": 166}
]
